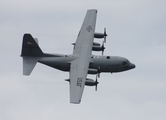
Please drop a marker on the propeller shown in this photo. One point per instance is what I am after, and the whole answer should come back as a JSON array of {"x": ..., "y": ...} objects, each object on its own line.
[
  {"x": 98, "y": 74},
  {"x": 105, "y": 35},
  {"x": 96, "y": 83},
  {"x": 103, "y": 48}
]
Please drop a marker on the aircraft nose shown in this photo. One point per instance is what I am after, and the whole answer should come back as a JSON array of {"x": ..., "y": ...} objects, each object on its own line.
[{"x": 132, "y": 65}]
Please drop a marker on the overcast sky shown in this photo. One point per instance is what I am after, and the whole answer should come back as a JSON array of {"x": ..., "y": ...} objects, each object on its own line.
[{"x": 136, "y": 30}]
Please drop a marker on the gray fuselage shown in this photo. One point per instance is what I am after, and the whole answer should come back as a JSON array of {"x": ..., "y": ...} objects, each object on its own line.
[{"x": 102, "y": 63}]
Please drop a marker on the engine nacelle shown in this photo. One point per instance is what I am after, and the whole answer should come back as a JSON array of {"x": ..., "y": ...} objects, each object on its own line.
[
  {"x": 88, "y": 82},
  {"x": 98, "y": 48},
  {"x": 94, "y": 43},
  {"x": 92, "y": 71},
  {"x": 99, "y": 35}
]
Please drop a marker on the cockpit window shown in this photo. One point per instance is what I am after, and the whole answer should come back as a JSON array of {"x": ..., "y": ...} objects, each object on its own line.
[{"x": 124, "y": 63}]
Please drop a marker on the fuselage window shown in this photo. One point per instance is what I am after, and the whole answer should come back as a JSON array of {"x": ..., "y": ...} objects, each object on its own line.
[{"x": 108, "y": 57}]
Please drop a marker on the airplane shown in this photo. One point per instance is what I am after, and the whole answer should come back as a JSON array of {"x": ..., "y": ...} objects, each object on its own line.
[{"x": 81, "y": 62}]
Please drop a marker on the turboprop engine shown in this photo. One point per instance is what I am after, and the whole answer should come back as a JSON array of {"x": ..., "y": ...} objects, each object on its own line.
[
  {"x": 96, "y": 46},
  {"x": 93, "y": 71},
  {"x": 101, "y": 35},
  {"x": 94, "y": 43},
  {"x": 89, "y": 82}
]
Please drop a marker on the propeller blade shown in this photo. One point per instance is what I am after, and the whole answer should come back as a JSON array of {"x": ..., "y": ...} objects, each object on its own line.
[
  {"x": 96, "y": 84},
  {"x": 96, "y": 87},
  {"x": 103, "y": 48},
  {"x": 102, "y": 52},
  {"x": 105, "y": 39},
  {"x": 98, "y": 72},
  {"x": 105, "y": 35}
]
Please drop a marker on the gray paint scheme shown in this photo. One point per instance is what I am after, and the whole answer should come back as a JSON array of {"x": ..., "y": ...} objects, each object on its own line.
[
  {"x": 105, "y": 63},
  {"x": 32, "y": 54}
]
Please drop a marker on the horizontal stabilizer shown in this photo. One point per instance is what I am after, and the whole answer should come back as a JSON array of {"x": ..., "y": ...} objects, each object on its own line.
[{"x": 28, "y": 64}]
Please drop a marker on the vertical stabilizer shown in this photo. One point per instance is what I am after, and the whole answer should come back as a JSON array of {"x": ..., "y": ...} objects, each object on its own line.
[
  {"x": 30, "y": 47},
  {"x": 30, "y": 53}
]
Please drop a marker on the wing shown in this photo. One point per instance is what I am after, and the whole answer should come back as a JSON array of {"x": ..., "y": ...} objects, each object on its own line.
[{"x": 82, "y": 51}]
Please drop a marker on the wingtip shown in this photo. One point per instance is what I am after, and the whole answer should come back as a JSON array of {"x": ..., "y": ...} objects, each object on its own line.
[
  {"x": 93, "y": 10},
  {"x": 75, "y": 102}
]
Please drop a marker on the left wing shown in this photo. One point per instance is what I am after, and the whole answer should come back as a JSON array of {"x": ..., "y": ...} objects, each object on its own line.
[{"x": 82, "y": 51}]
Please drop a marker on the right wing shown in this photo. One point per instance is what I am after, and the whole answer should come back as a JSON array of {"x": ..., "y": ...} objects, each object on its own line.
[{"x": 83, "y": 49}]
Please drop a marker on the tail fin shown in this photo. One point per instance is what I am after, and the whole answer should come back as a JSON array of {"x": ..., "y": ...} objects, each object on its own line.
[
  {"x": 30, "y": 47},
  {"x": 30, "y": 53}
]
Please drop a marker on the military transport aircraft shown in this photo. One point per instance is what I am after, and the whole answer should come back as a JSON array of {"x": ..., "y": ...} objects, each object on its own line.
[{"x": 78, "y": 64}]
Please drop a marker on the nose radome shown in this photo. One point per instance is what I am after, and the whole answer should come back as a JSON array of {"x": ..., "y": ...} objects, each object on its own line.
[{"x": 133, "y": 65}]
